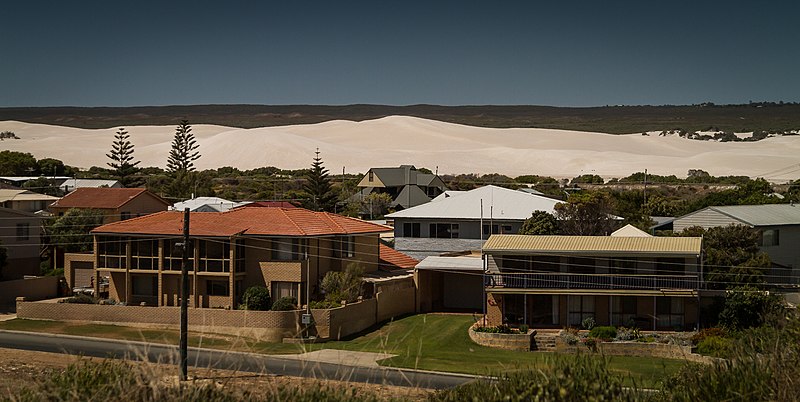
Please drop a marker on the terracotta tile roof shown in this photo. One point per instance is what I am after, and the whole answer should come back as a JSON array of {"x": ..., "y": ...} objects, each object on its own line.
[
  {"x": 393, "y": 259},
  {"x": 101, "y": 198},
  {"x": 247, "y": 221},
  {"x": 269, "y": 204}
]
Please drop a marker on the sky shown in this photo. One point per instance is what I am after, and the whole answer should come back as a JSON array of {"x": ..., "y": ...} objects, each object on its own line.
[{"x": 568, "y": 53}]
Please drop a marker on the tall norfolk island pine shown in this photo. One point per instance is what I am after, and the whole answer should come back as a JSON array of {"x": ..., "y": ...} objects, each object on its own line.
[
  {"x": 122, "y": 156},
  {"x": 318, "y": 187},
  {"x": 184, "y": 150}
]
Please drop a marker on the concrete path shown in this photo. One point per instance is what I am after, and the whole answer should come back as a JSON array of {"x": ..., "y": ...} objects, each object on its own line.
[
  {"x": 342, "y": 357},
  {"x": 7, "y": 316}
]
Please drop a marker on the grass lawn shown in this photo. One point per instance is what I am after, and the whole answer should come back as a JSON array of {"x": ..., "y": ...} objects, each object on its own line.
[{"x": 425, "y": 341}]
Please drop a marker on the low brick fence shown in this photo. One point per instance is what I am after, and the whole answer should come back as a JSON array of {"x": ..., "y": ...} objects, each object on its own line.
[
  {"x": 270, "y": 326},
  {"x": 502, "y": 341}
]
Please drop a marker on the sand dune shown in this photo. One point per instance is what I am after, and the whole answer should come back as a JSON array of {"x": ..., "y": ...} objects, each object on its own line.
[{"x": 396, "y": 140}]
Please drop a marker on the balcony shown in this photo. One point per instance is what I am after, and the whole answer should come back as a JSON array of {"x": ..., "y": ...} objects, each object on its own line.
[{"x": 559, "y": 280}]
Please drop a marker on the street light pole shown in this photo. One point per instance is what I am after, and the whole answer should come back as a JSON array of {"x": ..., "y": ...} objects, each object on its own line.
[{"x": 184, "y": 297}]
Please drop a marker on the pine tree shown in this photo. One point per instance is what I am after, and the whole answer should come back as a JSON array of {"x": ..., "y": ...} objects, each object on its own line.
[
  {"x": 122, "y": 156},
  {"x": 318, "y": 187},
  {"x": 184, "y": 150}
]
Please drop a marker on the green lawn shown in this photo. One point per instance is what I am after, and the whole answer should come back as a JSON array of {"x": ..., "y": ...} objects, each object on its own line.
[{"x": 426, "y": 341}]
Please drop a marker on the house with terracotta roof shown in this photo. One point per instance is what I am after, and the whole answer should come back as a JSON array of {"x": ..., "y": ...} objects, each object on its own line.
[
  {"x": 116, "y": 203},
  {"x": 287, "y": 250}
]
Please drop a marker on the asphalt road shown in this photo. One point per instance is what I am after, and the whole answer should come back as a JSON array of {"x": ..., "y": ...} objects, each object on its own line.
[{"x": 209, "y": 358}]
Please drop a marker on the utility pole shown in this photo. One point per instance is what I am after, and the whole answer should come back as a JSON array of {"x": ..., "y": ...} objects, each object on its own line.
[
  {"x": 644, "y": 192},
  {"x": 185, "y": 297}
]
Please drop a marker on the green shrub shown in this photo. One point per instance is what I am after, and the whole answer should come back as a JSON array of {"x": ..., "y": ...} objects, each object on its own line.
[
  {"x": 523, "y": 328},
  {"x": 707, "y": 332},
  {"x": 715, "y": 346},
  {"x": 588, "y": 323},
  {"x": 80, "y": 299},
  {"x": 345, "y": 285},
  {"x": 324, "y": 304},
  {"x": 604, "y": 333},
  {"x": 748, "y": 307},
  {"x": 256, "y": 298},
  {"x": 591, "y": 344},
  {"x": 285, "y": 304},
  {"x": 628, "y": 334}
]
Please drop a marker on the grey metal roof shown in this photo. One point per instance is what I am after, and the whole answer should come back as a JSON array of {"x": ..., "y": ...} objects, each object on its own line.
[
  {"x": 451, "y": 264},
  {"x": 762, "y": 215},
  {"x": 499, "y": 203},
  {"x": 410, "y": 196}
]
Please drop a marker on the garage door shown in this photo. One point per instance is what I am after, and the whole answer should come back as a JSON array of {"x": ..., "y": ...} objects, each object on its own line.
[{"x": 82, "y": 272}]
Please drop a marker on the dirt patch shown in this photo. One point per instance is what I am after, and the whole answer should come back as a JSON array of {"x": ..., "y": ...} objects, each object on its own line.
[{"x": 21, "y": 368}]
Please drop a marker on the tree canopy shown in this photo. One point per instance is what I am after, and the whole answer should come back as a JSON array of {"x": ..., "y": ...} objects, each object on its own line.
[
  {"x": 540, "y": 223},
  {"x": 732, "y": 256},
  {"x": 586, "y": 214},
  {"x": 71, "y": 230},
  {"x": 184, "y": 150},
  {"x": 318, "y": 187},
  {"x": 121, "y": 156}
]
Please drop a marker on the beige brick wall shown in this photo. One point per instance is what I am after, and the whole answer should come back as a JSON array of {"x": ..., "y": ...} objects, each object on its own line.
[
  {"x": 395, "y": 303},
  {"x": 494, "y": 309},
  {"x": 352, "y": 318},
  {"x": 45, "y": 287},
  {"x": 69, "y": 271}
]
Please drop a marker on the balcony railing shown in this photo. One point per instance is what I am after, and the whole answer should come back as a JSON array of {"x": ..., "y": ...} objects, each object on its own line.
[{"x": 560, "y": 280}]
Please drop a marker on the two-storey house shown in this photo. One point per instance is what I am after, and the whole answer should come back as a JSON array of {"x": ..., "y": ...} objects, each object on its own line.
[
  {"x": 287, "y": 250},
  {"x": 557, "y": 281}
]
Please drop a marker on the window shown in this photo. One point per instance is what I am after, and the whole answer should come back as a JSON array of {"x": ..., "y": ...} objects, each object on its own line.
[
  {"x": 444, "y": 230},
  {"x": 124, "y": 216},
  {"x": 669, "y": 311},
  {"x": 284, "y": 289},
  {"x": 580, "y": 265},
  {"x": 623, "y": 266},
  {"x": 112, "y": 252},
  {"x": 769, "y": 237},
  {"x": 347, "y": 247},
  {"x": 670, "y": 266},
  {"x": 217, "y": 288},
  {"x": 580, "y": 308},
  {"x": 142, "y": 285},
  {"x": 370, "y": 176},
  {"x": 623, "y": 310},
  {"x": 286, "y": 249},
  {"x": 546, "y": 263},
  {"x": 173, "y": 255},
  {"x": 516, "y": 262},
  {"x": 144, "y": 254},
  {"x": 506, "y": 229},
  {"x": 23, "y": 231},
  {"x": 411, "y": 229},
  {"x": 214, "y": 256}
]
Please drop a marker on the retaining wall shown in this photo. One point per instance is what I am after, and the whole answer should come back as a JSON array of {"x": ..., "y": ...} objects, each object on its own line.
[
  {"x": 502, "y": 341},
  {"x": 662, "y": 350}
]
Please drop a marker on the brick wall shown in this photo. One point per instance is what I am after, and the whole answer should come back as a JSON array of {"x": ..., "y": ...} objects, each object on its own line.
[
  {"x": 353, "y": 318},
  {"x": 395, "y": 303},
  {"x": 271, "y": 326},
  {"x": 69, "y": 270},
  {"x": 45, "y": 287}
]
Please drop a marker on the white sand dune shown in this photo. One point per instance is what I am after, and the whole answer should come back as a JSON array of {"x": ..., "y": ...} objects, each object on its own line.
[{"x": 396, "y": 140}]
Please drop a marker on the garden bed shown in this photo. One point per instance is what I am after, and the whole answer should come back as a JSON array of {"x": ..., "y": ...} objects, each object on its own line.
[{"x": 502, "y": 338}]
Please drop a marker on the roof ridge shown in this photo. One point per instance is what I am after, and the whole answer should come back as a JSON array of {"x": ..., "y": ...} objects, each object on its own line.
[
  {"x": 117, "y": 223},
  {"x": 333, "y": 221},
  {"x": 283, "y": 210}
]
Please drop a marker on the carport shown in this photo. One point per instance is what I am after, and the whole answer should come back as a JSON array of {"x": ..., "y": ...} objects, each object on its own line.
[{"x": 450, "y": 284}]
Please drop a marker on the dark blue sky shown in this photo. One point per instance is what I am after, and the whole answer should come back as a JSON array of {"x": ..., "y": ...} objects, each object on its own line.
[{"x": 114, "y": 53}]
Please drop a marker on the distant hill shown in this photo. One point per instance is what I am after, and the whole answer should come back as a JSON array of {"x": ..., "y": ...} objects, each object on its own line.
[{"x": 608, "y": 119}]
